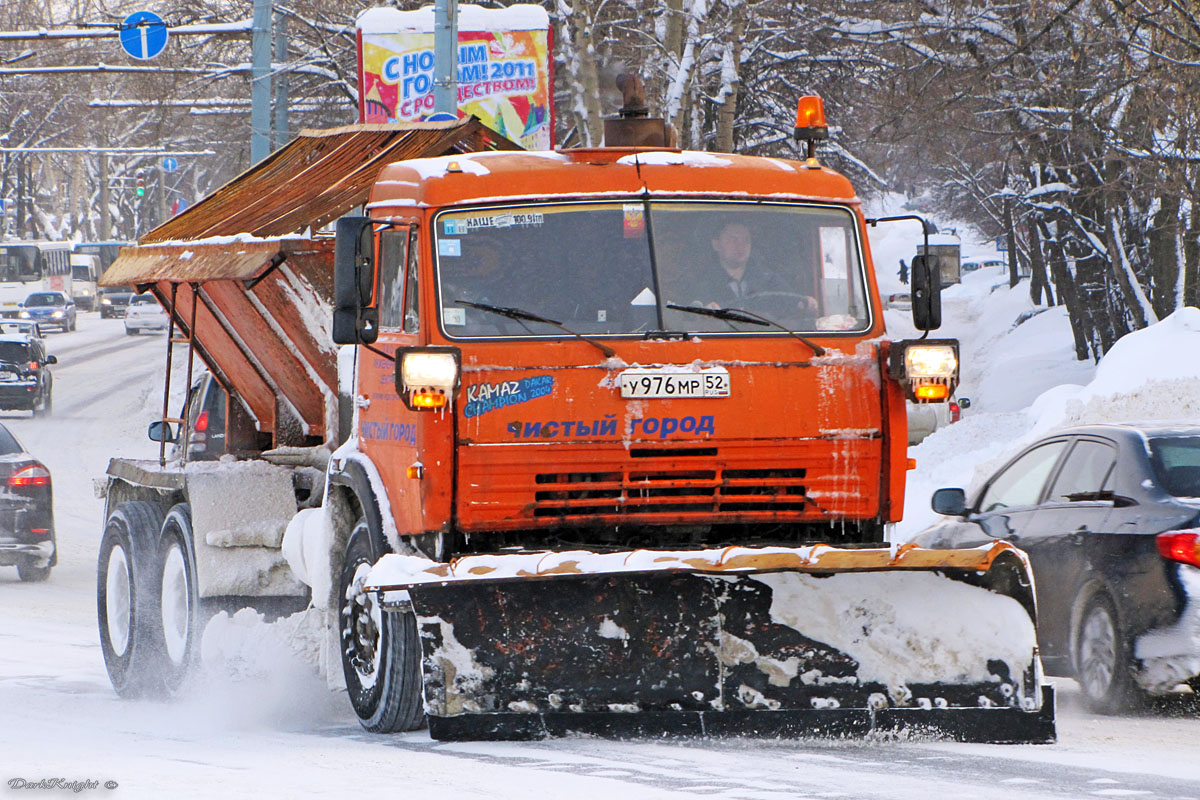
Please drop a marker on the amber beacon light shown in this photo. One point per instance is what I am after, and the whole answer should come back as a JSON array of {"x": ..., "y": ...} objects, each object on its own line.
[{"x": 810, "y": 122}]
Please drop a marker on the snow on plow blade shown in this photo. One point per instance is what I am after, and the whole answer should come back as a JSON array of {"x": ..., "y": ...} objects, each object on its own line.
[{"x": 753, "y": 641}]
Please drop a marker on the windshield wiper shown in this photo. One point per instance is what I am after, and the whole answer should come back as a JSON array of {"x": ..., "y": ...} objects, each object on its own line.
[
  {"x": 742, "y": 315},
  {"x": 528, "y": 316}
]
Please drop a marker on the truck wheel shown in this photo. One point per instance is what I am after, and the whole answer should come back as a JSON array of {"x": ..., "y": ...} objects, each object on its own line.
[
  {"x": 1103, "y": 660},
  {"x": 125, "y": 598},
  {"x": 381, "y": 651},
  {"x": 31, "y": 574},
  {"x": 178, "y": 599}
]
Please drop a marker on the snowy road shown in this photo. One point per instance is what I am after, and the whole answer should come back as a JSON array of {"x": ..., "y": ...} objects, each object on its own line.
[{"x": 281, "y": 734}]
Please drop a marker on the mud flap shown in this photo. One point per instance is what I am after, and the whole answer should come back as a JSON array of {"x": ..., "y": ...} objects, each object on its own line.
[{"x": 948, "y": 652}]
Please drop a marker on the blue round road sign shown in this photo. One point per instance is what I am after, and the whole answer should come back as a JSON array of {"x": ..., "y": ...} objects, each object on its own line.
[
  {"x": 169, "y": 164},
  {"x": 143, "y": 35}
]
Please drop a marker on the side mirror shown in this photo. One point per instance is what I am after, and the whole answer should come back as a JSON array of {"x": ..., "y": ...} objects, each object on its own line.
[
  {"x": 950, "y": 502},
  {"x": 964, "y": 403},
  {"x": 354, "y": 322},
  {"x": 160, "y": 431},
  {"x": 51, "y": 359},
  {"x": 926, "y": 293}
]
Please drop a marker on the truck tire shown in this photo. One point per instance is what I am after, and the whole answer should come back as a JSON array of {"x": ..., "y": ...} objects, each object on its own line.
[
  {"x": 179, "y": 625},
  {"x": 1103, "y": 660},
  {"x": 125, "y": 598},
  {"x": 381, "y": 651}
]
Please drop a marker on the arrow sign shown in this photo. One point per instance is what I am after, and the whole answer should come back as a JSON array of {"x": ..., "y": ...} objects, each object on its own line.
[
  {"x": 143, "y": 35},
  {"x": 169, "y": 164}
]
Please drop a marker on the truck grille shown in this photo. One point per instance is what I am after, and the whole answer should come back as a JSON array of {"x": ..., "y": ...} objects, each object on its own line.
[{"x": 669, "y": 491}]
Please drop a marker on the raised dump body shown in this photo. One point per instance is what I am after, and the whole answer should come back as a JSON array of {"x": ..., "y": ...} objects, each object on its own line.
[{"x": 248, "y": 279}]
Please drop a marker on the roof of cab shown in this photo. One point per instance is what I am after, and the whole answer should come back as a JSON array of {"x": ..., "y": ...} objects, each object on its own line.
[{"x": 498, "y": 176}]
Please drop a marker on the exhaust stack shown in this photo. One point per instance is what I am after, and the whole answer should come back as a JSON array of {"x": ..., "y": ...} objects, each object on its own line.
[{"x": 633, "y": 126}]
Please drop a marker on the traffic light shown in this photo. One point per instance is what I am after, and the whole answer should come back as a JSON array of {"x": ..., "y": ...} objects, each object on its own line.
[{"x": 140, "y": 184}]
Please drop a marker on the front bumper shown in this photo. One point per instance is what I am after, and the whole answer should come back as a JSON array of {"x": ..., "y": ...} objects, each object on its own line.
[
  {"x": 49, "y": 322},
  {"x": 135, "y": 324}
]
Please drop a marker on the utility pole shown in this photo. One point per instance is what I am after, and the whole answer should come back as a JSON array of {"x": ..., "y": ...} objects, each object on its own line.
[
  {"x": 281, "y": 84},
  {"x": 105, "y": 220},
  {"x": 162, "y": 192},
  {"x": 445, "y": 57},
  {"x": 260, "y": 83}
]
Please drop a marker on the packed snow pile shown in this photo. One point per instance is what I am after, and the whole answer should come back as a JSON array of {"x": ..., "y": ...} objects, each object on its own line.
[
  {"x": 884, "y": 621},
  {"x": 245, "y": 645}
]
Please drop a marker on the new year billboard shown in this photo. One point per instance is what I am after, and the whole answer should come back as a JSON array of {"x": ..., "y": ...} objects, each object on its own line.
[{"x": 504, "y": 69}]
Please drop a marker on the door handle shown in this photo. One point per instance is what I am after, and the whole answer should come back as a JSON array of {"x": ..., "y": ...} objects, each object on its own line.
[{"x": 1077, "y": 537}]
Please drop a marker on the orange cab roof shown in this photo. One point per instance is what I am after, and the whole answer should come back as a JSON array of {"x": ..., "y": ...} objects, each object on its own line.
[{"x": 476, "y": 177}]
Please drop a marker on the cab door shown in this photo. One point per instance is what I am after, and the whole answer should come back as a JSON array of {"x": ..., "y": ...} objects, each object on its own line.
[{"x": 388, "y": 431}]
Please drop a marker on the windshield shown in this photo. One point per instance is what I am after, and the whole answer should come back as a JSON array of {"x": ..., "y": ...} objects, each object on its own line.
[
  {"x": 590, "y": 267},
  {"x": 45, "y": 299},
  {"x": 19, "y": 263},
  {"x": 1176, "y": 461}
]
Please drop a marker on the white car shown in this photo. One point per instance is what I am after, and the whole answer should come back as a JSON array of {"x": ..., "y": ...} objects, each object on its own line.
[
  {"x": 925, "y": 418},
  {"x": 145, "y": 314}
]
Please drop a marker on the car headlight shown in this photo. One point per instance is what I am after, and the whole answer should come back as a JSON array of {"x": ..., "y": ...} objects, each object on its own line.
[
  {"x": 104, "y": 301},
  {"x": 426, "y": 377},
  {"x": 24, "y": 315},
  {"x": 58, "y": 314}
]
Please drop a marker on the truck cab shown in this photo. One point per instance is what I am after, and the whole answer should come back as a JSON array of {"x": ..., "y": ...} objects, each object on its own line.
[{"x": 573, "y": 356}]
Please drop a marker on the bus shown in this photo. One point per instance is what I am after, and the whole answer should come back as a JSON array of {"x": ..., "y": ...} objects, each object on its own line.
[
  {"x": 27, "y": 267},
  {"x": 107, "y": 252}
]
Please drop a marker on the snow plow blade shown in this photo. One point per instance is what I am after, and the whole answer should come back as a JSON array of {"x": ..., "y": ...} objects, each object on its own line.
[{"x": 804, "y": 641}]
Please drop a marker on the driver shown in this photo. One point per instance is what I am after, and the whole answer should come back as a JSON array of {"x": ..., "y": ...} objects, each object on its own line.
[{"x": 734, "y": 282}]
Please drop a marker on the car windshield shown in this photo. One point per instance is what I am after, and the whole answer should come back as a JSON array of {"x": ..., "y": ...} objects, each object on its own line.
[
  {"x": 143, "y": 300},
  {"x": 45, "y": 299},
  {"x": 14, "y": 352},
  {"x": 1176, "y": 462},
  {"x": 591, "y": 267}
]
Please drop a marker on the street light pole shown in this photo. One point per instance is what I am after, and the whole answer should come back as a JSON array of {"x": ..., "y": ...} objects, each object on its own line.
[
  {"x": 445, "y": 57},
  {"x": 260, "y": 83}
]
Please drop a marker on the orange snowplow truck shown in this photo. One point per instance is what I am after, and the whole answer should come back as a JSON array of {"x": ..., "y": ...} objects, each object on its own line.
[
  {"x": 610, "y": 444},
  {"x": 635, "y": 431}
]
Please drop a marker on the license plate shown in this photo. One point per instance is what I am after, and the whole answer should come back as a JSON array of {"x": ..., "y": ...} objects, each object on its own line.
[{"x": 639, "y": 383}]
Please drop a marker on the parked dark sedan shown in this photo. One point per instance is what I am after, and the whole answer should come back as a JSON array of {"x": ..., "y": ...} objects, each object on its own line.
[
  {"x": 26, "y": 512},
  {"x": 1110, "y": 518},
  {"x": 25, "y": 379}
]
